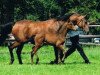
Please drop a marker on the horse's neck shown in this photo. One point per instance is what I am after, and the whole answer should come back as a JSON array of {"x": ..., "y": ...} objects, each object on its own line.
[
  {"x": 63, "y": 32},
  {"x": 60, "y": 24},
  {"x": 62, "y": 29}
]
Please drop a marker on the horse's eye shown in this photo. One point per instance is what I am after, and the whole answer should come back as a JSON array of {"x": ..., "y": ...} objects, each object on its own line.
[
  {"x": 85, "y": 22},
  {"x": 74, "y": 22}
]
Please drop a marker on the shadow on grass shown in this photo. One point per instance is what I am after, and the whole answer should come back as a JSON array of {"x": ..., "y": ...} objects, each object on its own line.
[{"x": 69, "y": 63}]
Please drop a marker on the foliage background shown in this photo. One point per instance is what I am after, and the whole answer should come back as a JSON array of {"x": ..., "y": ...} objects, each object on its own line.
[{"x": 14, "y": 10}]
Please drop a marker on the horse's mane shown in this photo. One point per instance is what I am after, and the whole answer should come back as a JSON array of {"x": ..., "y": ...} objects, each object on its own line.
[{"x": 65, "y": 17}]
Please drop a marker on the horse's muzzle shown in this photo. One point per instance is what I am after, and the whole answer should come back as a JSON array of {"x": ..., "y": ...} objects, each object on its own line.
[{"x": 86, "y": 30}]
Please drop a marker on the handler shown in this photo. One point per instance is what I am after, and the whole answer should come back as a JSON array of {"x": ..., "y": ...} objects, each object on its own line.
[{"x": 74, "y": 38}]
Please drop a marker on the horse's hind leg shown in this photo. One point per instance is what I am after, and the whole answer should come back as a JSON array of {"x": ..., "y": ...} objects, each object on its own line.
[
  {"x": 18, "y": 51},
  {"x": 11, "y": 55},
  {"x": 11, "y": 47}
]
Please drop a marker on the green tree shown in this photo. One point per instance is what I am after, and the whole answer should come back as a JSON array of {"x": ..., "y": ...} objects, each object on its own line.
[
  {"x": 7, "y": 11},
  {"x": 45, "y": 9}
]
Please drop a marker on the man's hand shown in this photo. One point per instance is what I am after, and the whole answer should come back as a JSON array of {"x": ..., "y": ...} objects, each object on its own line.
[{"x": 76, "y": 27}]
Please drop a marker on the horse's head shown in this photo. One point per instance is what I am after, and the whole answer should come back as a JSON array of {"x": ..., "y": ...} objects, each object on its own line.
[{"x": 80, "y": 21}]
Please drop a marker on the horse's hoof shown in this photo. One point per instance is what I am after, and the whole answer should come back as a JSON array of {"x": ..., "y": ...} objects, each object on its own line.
[
  {"x": 62, "y": 61},
  {"x": 53, "y": 62},
  {"x": 31, "y": 63},
  {"x": 87, "y": 62},
  {"x": 37, "y": 60},
  {"x": 37, "y": 63},
  {"x": 10, "y": 63},
  {"x": 21, "y": 63}
]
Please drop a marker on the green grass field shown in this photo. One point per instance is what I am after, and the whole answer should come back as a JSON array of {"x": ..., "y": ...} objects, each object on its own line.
[{"x": 73, "y": 64}]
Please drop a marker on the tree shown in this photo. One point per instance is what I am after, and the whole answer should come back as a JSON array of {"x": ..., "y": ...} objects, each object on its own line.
[
  {"x": 14, "y": 10},
  {"x": 7, "y": 11}
]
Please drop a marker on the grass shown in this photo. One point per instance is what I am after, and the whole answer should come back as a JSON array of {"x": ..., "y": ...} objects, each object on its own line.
[{"x": 73, "y": 64}]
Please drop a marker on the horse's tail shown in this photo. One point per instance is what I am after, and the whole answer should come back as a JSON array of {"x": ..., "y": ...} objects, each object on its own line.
[{"x": 5, "y": 29}]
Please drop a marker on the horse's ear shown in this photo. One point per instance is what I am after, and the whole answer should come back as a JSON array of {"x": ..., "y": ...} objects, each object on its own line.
[{"x": 81, "y": 17}]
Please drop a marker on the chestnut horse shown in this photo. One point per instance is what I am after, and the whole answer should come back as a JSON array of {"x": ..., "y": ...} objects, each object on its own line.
[
  {"x": 78, "y": 20},
  {"x": 51, "y": 31}
]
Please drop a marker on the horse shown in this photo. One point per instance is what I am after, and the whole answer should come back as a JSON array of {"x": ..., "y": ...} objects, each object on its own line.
[
  {"x": 40, "y": 32},
  {"x": 80, "y": 21},
  {"x": 6, "y": 29}
]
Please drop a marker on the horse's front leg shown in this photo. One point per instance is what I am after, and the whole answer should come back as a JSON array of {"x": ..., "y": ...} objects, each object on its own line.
[
  {"x": 33, "y": 52},
  {"x": 60, "y": 53},
  {"x": 38, "y": 42}
]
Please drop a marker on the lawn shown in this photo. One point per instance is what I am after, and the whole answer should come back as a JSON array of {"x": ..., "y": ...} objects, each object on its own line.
[{"x": 74, "y": 64}]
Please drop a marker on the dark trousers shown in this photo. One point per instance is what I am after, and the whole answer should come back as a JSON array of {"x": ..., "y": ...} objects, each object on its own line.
[{"x": 75, "y": 45}]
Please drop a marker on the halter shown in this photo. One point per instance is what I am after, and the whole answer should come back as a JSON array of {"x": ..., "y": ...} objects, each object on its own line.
[{"x": 80, "y": 22}]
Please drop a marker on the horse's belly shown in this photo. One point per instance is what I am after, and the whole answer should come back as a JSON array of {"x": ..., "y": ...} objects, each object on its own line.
[{"x": 50, "y": 38}]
